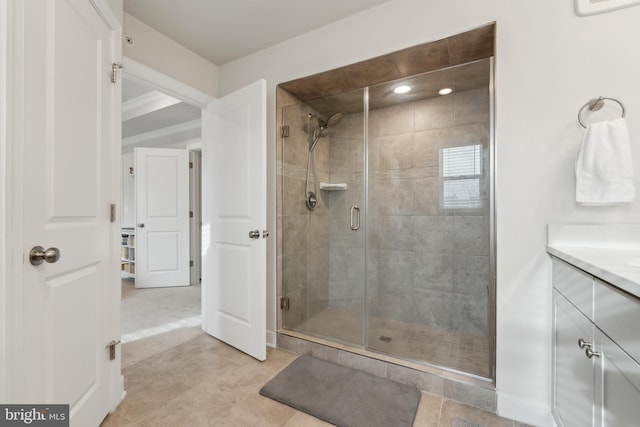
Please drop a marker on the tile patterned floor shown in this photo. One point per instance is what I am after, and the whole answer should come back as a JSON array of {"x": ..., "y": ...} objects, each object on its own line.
[
  {"x": 464, "y": 352},
  {"x": 204, "y": 382},
  {"x": 185, "y": 378}
]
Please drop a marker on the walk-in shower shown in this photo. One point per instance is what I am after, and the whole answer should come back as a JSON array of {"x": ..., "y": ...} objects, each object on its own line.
[{"x": 414, "y": 278}]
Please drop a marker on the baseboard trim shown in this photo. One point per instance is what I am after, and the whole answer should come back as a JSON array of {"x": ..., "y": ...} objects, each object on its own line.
[
  {"x": 271, "y": 339},
  {"x": 525, "y": 411}
]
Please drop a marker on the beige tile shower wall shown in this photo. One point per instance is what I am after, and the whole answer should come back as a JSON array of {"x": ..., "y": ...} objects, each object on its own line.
[
  {"x": 303, "y": 249},
  {"x": 427, "y": 264}
]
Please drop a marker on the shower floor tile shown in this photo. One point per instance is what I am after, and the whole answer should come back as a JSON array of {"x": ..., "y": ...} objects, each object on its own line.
[{"x": 441, "y": 347}]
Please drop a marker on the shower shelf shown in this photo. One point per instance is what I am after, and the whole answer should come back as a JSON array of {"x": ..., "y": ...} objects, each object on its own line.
[{"x": 333, "y": 187}]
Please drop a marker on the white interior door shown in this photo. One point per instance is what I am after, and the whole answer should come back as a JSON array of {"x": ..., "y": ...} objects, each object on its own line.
[
  {"x": 234, "y": 205},
  {"x": 162, "y": 217},
  {"x": 66, "y": 122}
]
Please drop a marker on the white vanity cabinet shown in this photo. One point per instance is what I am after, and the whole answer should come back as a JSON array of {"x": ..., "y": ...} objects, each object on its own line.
[{"x": 596, "y": 349}]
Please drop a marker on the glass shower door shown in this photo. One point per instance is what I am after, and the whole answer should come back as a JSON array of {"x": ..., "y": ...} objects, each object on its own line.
[
  {"x": 323, "y": 218},
  {"x": 428, "y": 245}
]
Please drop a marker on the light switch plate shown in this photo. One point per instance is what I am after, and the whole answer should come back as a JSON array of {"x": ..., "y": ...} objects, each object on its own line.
[{"x": 592, "y": 7}]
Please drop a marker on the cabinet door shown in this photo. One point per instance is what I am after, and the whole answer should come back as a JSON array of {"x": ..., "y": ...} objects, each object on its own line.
[
  {"x": 618, "y": 395},
  {"x": 573, "y": 371}
]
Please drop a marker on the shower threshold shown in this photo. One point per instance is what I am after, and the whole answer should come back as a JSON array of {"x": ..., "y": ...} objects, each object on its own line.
[{"x": 463, "y": 387}]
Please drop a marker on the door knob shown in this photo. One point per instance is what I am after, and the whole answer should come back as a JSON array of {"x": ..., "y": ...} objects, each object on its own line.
[
  {"x": 141, "y": 224},
  {"x": 38, "y": 255},
  {"x": 254, "y": 234}
]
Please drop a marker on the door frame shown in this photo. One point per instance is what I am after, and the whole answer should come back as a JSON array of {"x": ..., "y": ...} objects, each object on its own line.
[
  {"x": 195, "y": 198},
  {"x": 163, "y": 83},
  {"x": 7, "y": 220},
  {"x": 138, "y": 72},
  {"x": 11, "y": 204}
]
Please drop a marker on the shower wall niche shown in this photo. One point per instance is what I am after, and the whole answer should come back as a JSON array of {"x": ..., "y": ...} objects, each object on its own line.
[{"x": 397, "y": 257}]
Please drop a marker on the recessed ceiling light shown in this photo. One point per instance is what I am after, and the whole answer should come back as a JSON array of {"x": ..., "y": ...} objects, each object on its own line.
[
  {"x": 445, "y": 91},
  {"x": 402, "y": 89}
]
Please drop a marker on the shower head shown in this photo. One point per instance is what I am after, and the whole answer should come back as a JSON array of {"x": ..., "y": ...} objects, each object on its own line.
[
  {"x": 322, "y": 129},
  {"x": 333, "y": 120}
]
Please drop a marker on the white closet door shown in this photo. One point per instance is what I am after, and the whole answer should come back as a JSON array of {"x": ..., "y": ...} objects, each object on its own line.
[{"x": 162, "y": 217}]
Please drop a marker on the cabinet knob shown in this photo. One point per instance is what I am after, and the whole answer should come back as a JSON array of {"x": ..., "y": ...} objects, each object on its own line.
[
  {"x": 582, "y": 343},
  {"x": 590, "y": 353},
  {"x": 588, "y": 350}
]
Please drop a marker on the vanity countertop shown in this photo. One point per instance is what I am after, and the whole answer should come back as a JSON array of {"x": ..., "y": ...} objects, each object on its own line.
[
  {"x": 610, "y": 252},
  {"x": 619, "y": 267}
]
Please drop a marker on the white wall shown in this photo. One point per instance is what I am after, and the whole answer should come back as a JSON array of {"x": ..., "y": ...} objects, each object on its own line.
[
  {"x": 116, "y": 6},
  {"x": 549, "y": 62},
  {"x": 157, "y": 51}
]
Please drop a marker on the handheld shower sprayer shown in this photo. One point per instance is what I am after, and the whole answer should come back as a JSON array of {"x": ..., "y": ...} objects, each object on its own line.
[{"x": 322, "y": 130}]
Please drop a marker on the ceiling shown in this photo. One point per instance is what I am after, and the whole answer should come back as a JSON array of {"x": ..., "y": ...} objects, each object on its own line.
[
  {"x": 220, "y": 31},
  {"x": 459, "y": 62},
  {"x": 153, "y": 119},
  {"x": 225, "y": 30},
  {"x": 460, "y": 78}
]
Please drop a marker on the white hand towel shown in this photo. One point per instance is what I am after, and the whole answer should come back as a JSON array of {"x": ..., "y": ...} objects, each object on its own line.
[{"x": 604, "y": 169}]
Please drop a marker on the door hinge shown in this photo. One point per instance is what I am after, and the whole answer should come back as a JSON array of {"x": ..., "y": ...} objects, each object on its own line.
[
  {"x": 190, "y": 165},
  {"x": 112, "y": 212},
  {"x": 114, "y": 71},
  {"x": 190, "y": 214},
  {"x": 112, "y": 349},
  {"x": 284, "y": 303},
  {"x": 284, "y": 131},
  {"x": 191, "y": 263}
]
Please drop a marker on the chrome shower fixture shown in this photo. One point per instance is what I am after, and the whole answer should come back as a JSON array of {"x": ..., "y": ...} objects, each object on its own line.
[
  {"x": 323, "y": 128},
  {"x": 311, "y": 198}
]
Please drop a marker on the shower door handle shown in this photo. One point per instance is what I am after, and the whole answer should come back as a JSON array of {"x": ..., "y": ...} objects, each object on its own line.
[{"x": 355, "y": 225}]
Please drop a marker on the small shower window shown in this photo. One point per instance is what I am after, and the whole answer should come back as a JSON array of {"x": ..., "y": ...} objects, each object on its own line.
[{"x": 460, "y": 172}]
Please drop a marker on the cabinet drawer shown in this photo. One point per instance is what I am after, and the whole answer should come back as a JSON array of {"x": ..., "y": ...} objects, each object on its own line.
[
  {"x": 617, "y": 314},
  {"x": 575, "y": 285}
]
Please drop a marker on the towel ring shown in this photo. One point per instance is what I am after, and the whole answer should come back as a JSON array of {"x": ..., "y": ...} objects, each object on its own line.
[{"x": 595, "y": 104}]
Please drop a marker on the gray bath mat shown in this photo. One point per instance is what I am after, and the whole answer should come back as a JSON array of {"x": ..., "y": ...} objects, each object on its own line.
[
  {"x": 459, "y": 422},
  {"x": 343, "y": 396}
]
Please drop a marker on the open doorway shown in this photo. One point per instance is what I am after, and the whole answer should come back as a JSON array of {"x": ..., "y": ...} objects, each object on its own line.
[
  {"x": 155, "y": 318},
  {"x": 234, "y": 229}
]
